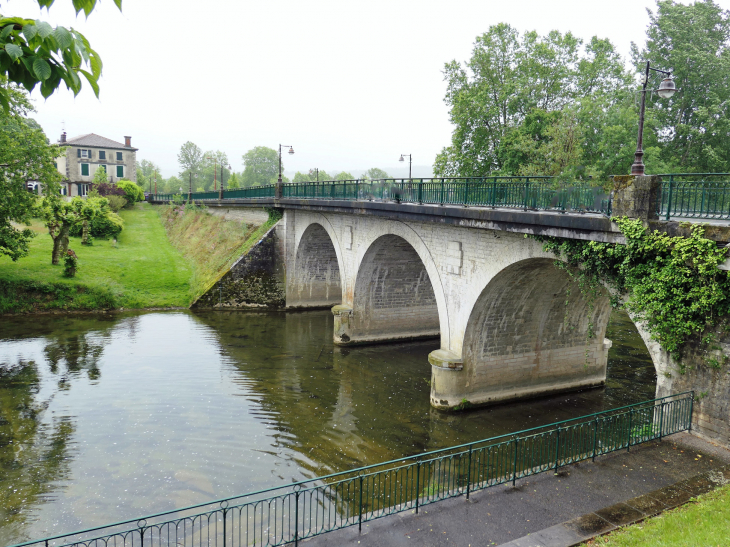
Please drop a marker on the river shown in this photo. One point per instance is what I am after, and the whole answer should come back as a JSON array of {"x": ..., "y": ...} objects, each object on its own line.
[{"x": 111, "y": 416}]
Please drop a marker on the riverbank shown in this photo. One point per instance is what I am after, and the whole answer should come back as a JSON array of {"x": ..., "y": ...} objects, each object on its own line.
[{"x": 163, "y": 258}]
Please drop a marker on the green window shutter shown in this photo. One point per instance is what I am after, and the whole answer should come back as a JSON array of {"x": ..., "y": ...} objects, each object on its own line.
[
  {"x": 119, "y": 156},
  {"x": 78, "y": 152},
  {"x": 91, "y": 154},
  {"x": 120, "y": 171},
  {"x": 102, "y": 155},
  {"x": 84, "y": 169}
]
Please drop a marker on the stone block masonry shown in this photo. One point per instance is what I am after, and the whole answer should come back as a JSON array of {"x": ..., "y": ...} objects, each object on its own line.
[
  {"x": 510, "y": 323},
  {"x": 256, "y": 279}
]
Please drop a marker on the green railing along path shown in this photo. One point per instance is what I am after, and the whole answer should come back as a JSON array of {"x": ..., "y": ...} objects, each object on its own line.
[
  {"x": 288, "y": 514},
  {"x": 511, "y": 192},
  {"x": 700, "y": 195}
]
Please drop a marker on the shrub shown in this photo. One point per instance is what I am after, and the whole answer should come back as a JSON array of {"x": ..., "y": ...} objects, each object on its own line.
[
  {"x": 116, "y": 202},
  {"x": 131, "y": 191},
  {"x": 105, "y": 189},
  {"x": 70, "y": 264}
]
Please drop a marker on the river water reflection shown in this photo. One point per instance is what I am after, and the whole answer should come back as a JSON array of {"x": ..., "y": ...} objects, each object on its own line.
[{"x": 104, "y": 418}]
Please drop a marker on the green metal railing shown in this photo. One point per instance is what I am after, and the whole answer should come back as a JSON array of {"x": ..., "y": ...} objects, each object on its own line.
[
  {"x": 684, "y": 195},
  {"x": 533, "y": 193},
  {"x": 700, "y": 195},
  {"x": 301, "y": 510}
]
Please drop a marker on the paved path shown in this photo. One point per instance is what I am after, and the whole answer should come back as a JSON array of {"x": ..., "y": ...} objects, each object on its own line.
[{"x": 502, "y": 514}]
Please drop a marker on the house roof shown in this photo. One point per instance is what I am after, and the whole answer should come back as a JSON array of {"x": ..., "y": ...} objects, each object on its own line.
[{"x": 96, "y": 141}]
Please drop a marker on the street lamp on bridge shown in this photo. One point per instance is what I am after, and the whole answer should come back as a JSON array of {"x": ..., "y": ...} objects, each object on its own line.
[
  {"x": 410, "y": 162},
  {"x": 665, "y": 91},
  {"x": 280, "y": 183}
]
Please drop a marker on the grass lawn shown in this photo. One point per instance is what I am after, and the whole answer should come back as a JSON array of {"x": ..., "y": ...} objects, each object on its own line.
[
  {"x": 704, "y": 522},
  {"x": 143, "y": 270}
]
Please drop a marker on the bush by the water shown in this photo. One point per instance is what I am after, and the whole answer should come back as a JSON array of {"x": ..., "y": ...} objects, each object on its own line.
[{"x": 131, "y": 191}]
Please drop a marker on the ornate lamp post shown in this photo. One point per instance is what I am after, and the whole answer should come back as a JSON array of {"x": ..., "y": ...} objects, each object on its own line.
[
  {"x": 280, "y": 183},
  {"x": 666, "y": 90},
  {"x": 314, "y": 172},
  {"x": 410, "y": 162}
]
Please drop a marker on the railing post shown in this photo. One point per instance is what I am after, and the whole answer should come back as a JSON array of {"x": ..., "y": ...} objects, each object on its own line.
[
  {"x": 557, "y": 448},
  {"x": 661, "y": 420},
  {"x": 224, "y": 526},
  {"x": 420, "y": 191},
  {"x": 514, "y": 469},
  {"x": 418, "y": 480},
  {"x": 296, "y": 517},
  {"x": 468, "y": 474},
  {"x": 595, "y": 438},
  {"x": 628, "y": 443},
  {"x": 357, "y": 189},
  {"x": 669, "y": 198},
  {"x": 359, "y": 512},
  {"x": 691, "y": 410},
  {"x": 466, "y": 192},
  {"x": 527, "y": 192},
  {"x": 442, "y": 191}
]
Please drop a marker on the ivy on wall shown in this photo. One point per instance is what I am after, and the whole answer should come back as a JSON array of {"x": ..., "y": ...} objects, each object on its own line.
[{"x": 670, "y": 283}]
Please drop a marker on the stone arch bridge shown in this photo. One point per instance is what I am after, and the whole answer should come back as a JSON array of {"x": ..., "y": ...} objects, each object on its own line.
[{"x": 510, "y": 323}]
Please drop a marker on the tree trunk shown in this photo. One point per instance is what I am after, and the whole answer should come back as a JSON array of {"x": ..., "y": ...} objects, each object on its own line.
[
  {"x": 85, "y": 233},
  {"x": 60, "y": 244}
]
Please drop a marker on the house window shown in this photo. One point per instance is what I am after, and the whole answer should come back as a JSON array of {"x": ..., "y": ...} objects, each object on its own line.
[
  {"x": 85, "y": 153},
  {"x": 120, "y": 171},
  {"x": 63, "y": 190},
  {"x": 84, "y": 169},
  {"x": 102, "y": 155},
  {"x": 102, "y": 166},
  {"x": 83, "y": 189},
  {"x": 119, "y": 156}
]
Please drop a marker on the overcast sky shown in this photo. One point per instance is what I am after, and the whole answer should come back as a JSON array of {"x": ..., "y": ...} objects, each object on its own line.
[{"x": 351, "y": 85}]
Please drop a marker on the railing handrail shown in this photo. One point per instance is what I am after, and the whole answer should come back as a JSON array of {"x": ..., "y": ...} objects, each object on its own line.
[{"x": 359, "y": 471}]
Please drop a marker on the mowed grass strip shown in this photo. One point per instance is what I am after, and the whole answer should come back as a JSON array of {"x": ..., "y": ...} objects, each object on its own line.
[
  {"x": 703, "y": 522},
  {"x": 143, "y": 270}
]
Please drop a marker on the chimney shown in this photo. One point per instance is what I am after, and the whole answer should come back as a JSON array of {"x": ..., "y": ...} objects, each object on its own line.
[
  {"x": 63, "y": 137},
  {"x": 128, "y": 142}
]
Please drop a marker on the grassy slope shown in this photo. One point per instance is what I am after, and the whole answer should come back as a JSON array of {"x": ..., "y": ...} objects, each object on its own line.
[
  {"x": 142, "y": 271},
  {"x": 211, "y": 243},
  {"x": 704, "y": 522}
]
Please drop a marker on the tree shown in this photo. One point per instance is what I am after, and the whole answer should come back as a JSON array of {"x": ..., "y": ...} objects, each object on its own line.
[
  {"x": 214, "y": 161},
  {"x": 25, "y": 156},
  {"x": 233, "y": 181},
  {"x": 100, "y": 176},
  {"x": 261, "y": 166},
  {"x": 146, "y": 173},
  {"x": 693, "y": 41},
  {"x": 344, "y": 175},
  {"x": 190, "y": 159},
  {"x": 32, "y": 52},
  {"x": 374, "y": 174},
  {"x": 312, "y": 176},
  {"x": 507, "y": 78},
  {"x": 60, "y": 216}
]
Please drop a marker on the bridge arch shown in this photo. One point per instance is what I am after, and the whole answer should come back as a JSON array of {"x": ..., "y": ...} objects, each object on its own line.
[
  {"x": 317, "y": 278},
  {"x": 397, "y": 292},
  {"x": 527, "y": 335}
]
